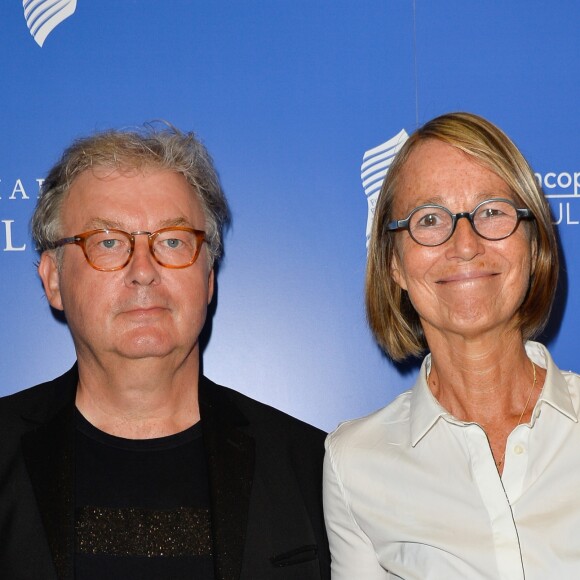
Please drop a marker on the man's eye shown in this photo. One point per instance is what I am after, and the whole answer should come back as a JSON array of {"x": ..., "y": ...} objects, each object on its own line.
[
  {"x": 172, "y": 243},
  {"x": 109, "y": 244}
]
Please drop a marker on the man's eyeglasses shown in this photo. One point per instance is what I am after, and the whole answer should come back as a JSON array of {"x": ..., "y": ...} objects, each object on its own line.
[
  {"x": 432, "y": 225},
  {"x": 110, "y": 250}
]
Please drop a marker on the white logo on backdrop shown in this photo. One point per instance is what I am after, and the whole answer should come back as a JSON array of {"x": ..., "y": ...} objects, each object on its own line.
[
  {"x": 14, "y": 229},
  {"x": 563, "y": 190},
  {"x": 43, "y": 16},
  {"x": 376, "y": 163}
]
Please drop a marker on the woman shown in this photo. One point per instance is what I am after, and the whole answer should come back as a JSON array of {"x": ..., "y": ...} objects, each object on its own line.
[{"x": 475, "y": 472}]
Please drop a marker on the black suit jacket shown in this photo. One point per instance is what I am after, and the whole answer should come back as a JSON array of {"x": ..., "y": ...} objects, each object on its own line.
[{"x": 265, "y": 472}]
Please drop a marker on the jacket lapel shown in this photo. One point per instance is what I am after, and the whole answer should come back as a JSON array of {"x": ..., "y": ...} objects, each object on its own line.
[
  {"x": 230, "y": 454},
  {"x": 48, "y": 454}
]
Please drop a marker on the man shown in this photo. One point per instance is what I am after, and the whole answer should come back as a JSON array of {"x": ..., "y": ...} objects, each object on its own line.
[{"x": 132, "y": 464}]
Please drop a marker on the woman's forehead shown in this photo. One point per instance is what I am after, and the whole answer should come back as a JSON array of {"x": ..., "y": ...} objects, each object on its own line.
[{"x": 438, "y": 173}]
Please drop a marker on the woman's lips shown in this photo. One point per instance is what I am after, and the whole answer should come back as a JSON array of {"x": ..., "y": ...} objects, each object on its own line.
[{"x": 460, "y": 277}]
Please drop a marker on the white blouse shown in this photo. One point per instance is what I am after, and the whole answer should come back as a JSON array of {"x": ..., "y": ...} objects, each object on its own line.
[{"x": 411, "y": 492}]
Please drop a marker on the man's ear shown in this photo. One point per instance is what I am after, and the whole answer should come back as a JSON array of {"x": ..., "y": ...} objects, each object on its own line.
[
  {"x": 50, "y": 276},
  {"x": 396, "y": 271},
  {"x": 210, "y": 285}
]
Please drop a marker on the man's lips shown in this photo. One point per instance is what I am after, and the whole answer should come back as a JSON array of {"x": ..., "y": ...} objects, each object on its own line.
[{"x": 143, "y": 311}]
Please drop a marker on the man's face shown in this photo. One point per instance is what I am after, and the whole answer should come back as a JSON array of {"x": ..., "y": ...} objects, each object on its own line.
[{"x": 144, "y": 310}]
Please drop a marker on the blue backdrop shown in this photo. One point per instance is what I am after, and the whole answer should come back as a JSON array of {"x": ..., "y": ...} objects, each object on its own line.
[{"x": 288, "y": 95}]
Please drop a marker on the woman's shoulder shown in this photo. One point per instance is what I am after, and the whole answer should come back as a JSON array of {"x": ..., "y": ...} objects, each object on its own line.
[{"x": 390, "y": 423}]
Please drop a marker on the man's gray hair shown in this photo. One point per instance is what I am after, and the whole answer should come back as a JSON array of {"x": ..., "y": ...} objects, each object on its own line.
[{"x": 147, "y": 148}]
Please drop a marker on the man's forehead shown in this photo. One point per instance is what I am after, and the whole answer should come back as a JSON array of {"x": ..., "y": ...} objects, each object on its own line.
[
  {"x": 97, "y": 176},
  {"x": 168, "y": 195}
]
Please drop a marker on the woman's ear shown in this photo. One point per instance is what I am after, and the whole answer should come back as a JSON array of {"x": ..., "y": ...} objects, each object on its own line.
[
  {"x": 534, "y": 256},
  {"x": 396, "y": 271}
]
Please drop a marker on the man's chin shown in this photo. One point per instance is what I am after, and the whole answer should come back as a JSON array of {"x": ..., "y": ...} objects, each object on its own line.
[{"x": 145, "y": 346}]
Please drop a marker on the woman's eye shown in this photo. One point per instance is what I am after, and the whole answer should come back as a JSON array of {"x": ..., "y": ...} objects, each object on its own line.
[
  {"x": 492, "y": 212},
  {"x": 429, "y": 220}
]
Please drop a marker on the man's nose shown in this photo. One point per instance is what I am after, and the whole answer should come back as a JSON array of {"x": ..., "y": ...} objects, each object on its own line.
[{"x": 142, "y": 268}]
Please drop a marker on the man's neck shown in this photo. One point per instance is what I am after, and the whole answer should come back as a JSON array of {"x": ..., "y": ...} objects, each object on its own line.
[{"x": 139, "y": 399}]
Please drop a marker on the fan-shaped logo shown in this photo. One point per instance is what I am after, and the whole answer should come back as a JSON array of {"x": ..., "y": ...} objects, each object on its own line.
[
  {"x": 43, "y": 16},
  {"x": 376, "y": 163}
]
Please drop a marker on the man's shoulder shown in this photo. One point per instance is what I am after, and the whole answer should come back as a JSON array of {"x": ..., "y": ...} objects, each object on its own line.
[
  {"x": 26, "y": 396},
  {"x": 255, "y": 414},
  {"x": 38, "y": 401}
]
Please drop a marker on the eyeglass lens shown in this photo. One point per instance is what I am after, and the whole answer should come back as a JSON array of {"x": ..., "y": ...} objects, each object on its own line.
[
  {"x": 112, "y": 249},
  {"x": 493, "y": 219}
]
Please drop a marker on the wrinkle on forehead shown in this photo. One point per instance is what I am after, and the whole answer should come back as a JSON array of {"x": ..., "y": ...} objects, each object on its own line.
[{"x": 111, "y": 224}]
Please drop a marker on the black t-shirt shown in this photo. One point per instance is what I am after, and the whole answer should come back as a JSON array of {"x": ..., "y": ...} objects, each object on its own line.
[{"x": 141, "y": 507}]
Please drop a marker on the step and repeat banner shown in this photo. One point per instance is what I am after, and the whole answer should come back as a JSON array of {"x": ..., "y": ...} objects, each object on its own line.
[{"x": 294, "y": 99}]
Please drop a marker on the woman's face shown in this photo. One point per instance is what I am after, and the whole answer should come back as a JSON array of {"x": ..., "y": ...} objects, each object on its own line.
[{"x": 467, "y": 286}]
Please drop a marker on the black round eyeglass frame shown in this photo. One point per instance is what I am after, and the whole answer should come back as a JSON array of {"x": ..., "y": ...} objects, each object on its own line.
[
  {"x": 404, "y": 224},
  {"x": 80, "y": 240}
]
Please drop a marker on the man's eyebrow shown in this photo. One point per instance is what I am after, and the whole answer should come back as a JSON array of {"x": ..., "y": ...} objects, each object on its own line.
[
  {"x": 179, "y": 221},
  {"x": 110, "y": 224},
  {"x": 103, "y": 224}
]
